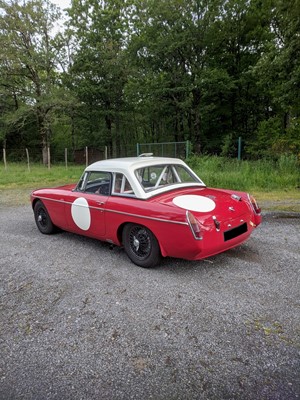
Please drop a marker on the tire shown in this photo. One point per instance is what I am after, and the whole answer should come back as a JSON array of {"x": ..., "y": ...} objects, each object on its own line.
[
  {"x": 42, "y": 219},
  {"x": 141, "y": 246}
]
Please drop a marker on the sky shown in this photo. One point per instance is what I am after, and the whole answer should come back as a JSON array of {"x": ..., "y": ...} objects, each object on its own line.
[{"x": 62, "y": 3}]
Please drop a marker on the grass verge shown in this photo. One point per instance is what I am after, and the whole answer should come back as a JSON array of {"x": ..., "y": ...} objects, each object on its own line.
[
  {"x": 275, "y": 185},
  {"x": 268, "y": 201}
]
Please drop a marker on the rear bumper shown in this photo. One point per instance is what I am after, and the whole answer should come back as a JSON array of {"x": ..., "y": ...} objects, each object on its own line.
[
  {"x": 215, "y": 245},
  {"x": 214, "y": 241}
]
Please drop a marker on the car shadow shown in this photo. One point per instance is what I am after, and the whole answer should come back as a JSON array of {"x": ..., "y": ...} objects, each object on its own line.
[{"x": 245, "y": 252}]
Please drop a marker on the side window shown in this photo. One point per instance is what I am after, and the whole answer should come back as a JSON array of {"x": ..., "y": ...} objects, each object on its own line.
[
  {"x": 98, "y": 183},
  {"x": 121, "y": 185}
]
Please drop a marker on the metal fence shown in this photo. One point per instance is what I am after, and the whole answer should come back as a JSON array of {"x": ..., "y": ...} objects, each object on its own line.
[
  {"x": 166, "y": 149},
  {"x": 88, "y": 155}
]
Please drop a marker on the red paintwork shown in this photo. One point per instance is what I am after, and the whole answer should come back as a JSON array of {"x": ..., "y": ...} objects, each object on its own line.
[{"x": 166, "y": 221}]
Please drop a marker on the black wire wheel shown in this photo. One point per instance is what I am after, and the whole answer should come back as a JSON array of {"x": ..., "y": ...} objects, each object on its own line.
[
  {"x": 141, "y": 245},
  {"x": 42, "y": 218}
]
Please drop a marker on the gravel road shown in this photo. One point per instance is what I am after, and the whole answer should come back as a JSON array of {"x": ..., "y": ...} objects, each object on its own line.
[{"x": 80, "y": 321}]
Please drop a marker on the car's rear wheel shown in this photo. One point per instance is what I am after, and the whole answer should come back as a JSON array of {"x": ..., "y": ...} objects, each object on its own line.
[
  {"x": 141, "y": 245},
  {"x": 42, "y": 218}
]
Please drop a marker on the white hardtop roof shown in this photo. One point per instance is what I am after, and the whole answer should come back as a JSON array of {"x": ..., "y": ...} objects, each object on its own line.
[
  {"x": 128, "y": 165},
  {"x": 131, "y": 163}
]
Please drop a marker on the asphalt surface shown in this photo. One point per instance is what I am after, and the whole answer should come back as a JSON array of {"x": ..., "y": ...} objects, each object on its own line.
[{"x": 80, "y": 321}]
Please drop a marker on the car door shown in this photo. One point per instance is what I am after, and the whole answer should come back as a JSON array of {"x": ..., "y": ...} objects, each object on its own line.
[{"x": 85, "y": 208}]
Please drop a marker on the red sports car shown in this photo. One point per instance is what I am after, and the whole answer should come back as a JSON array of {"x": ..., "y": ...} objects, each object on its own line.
[{"x": 152, "y": 206}]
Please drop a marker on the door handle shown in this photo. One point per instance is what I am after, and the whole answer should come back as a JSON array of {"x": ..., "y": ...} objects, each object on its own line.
[{"x": 100, "y": 203}]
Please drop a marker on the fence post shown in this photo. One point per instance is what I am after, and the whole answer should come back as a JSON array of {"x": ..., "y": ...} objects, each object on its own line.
[
  {"x": 137, "y": 149},
  {"x": 48, "y": 156},
  {"x": 27, "y": 155},
  {"x": 86, "y": 156},
  {"x": 4, "y": 159},
  {"x": 239, "y": 148},
  {"x": 105, "y": 152},
  {"x": 66, "y": 157},
  {"x": 187, "y": 149}
]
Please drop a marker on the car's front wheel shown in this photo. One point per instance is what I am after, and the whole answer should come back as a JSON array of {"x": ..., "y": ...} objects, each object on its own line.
[
  {"x": 141, "y": 245},
  {"x": 42, "y": 218}
]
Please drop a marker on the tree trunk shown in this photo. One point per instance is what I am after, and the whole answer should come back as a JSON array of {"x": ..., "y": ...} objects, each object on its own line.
[
  {"x": 118, "y": 138},
  {"x": 197, "y": 120},
  {"x": 45, "y": 151},
  {"x": 197, "y": 138},
  {"x": 109, "y": 129},
  {"x": 43, "y": 131},
  {"x": 73, "y": 134}
]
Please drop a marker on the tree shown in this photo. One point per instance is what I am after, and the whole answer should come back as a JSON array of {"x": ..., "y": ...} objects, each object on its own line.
[
  {"x": 130, "y": 71},
  {"x": 192, "y": 67},
  {"x": 170, "y": 56},
  {"x": 28, "y": 65},
  {"x": 278, "y": 75},
  {"x": 99, "y": 71}
]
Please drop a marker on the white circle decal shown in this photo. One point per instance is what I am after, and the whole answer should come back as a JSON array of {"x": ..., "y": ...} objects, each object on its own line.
[
  {"x": 194, "y": 203},
  {"x": 81, "y": 213}
]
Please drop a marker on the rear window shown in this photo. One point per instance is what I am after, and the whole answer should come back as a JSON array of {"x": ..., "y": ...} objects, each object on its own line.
[{"x": 156, "y": 176}]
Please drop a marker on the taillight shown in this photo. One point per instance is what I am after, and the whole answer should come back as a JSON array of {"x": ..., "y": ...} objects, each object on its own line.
[
  {"x": 254, "y": 204},
  {"x": 194, "y": 225}
]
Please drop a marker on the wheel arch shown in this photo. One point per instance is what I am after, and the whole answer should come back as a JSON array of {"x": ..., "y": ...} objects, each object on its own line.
[
  {"x": 34, "y": 201},
  {"x": 45, "y": 224},
  {"x": 121, "y": 228}
]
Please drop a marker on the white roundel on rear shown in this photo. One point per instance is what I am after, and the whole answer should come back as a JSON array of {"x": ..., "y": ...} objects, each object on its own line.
[
  {"x": 193, "y": 202},
  {"x": 81, "y": 213}
]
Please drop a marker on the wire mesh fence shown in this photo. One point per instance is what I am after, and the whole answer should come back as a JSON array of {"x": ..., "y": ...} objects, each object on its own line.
[
  {"x": 165, "y": 149},
  {"x": 88, "y": 155}
]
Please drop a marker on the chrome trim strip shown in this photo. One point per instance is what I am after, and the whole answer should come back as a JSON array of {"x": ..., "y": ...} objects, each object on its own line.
[
  {"x": 117, "y": 212},
  {"x": 47, "y": 198},
  {"x": 144, "y": 217}
]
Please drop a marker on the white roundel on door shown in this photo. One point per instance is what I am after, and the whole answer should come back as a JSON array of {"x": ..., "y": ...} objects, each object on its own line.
[
  {"x": 81, "y": 213},
  {"x": 193, "y": 202}
]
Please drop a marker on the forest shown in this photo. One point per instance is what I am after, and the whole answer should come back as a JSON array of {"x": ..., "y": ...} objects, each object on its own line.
[{"x": 119, "y": 72}]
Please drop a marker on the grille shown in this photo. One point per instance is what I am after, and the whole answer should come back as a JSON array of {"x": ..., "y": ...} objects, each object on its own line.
[{"x": 233, "y": 233}]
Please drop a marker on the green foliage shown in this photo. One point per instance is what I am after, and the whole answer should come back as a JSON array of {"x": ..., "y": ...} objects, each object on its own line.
[
  {"x": 267, "y": 135},
  {"x": 152, "y": 71},
  {"x": 265, "y": 175},
  {"x": 289, "y": 143},
  {"x": 272, "y": 141},
  {"x": 28, "y": 80},
  {"x": 261, "y": 175},
  {"x": 228, "y": 148},
  {"x": 18, "y": 175}
]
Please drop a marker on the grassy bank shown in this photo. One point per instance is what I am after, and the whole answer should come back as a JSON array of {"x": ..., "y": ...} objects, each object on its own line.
[
  {"x": 17, "y": 182},
  {"x": 260, "y": 175},
  {"x": 275, "y": 184},
  {"x": 18, "y": 176}
]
